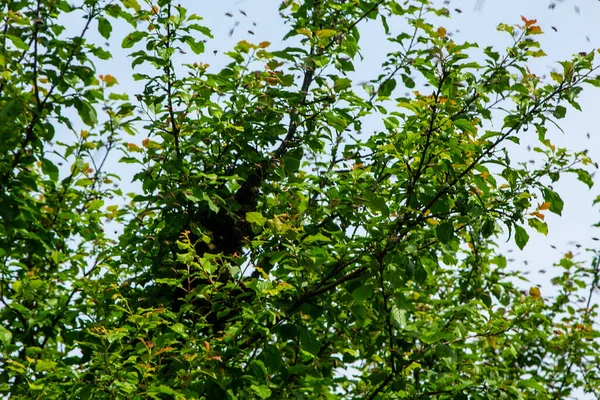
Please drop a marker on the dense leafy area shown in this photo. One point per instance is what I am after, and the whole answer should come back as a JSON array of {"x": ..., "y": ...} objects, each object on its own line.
[{"x": 279, "y": 246}]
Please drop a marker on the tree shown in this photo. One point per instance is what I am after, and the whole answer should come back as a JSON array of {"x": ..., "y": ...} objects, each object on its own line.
[{"x": 277, "y": 246}]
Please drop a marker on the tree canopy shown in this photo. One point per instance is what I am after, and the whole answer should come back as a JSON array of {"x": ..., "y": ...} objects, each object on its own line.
[{"x": 294, "y": 233}]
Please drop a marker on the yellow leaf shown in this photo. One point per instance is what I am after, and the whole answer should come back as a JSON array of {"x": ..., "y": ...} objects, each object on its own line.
[
  {"x": 109, "y": 80},
  {"x": 441, "y": 31},
  {"x": 325, "y": 33},
  {"x": 133, "y": 147},
  {"x": 544, "y": 206},
  {"x": 535, "y": 293},
  {"x": 262, "y": 272},
  {"x": 538, "y": 215},
  {"x": 304, "y": 31},
  {"x": 132, "y": 4},
  {"x": 244, "y": 46},
  {"x": 534, "y": 30},
  {"x": 264, "y": 45}
]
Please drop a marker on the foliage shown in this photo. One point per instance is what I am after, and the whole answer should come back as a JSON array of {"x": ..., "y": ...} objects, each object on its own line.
[{"x": 275, "y": 249}]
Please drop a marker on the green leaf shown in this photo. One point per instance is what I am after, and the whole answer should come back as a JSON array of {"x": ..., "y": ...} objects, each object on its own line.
[
  {"x": 195, "y": 45},
  {"x": 420, "y": 274},
  {"x": 258, "y": 370},
  {"x": 583, "y": 176},
  {"x": 95, "y": 204},
  {"x": 500, "y": 261},
  {"x": 309, "y": 341},
  {"x": 387, "y": 87},
  {"x": 272, "y": 357},
  {"x": 101, "y": 53},
  {"x": 377, "y": 203},
  {"x": 18, "y": 42},
  {"x": 202, "y": 29},
  {"x": 408, "y": 81},
  {"x": 255, "y": 218},
  {"x": 532, "y": 383},
  {"x": 344, "y": 64},
  {"x": 104, "y": 27},
  {"x": 538, "y": 225},
  {"x": 556, "y": 203},
  {"x": 465, "y": 125},
  {"x": 593, "y": 81},
  {"x": 487, "y": 229},
  {"x": 399, "y": 316},
  {"x": 86, "y": 112},
  {"x": 319, "y": 237},
  {"x": 362, "y": 293},
  {"x": 336, "y": 121},
  {"x": 391, "y": 123},
  {"x": 132, "y": 39},
  {"x": 291, "y": 161},
  {"x": 84, "y": 182},
  {"x": 5, "y": 336},
  {"x": 45, "y": 365},
  {"x": 132, "y": 4},
  {"x": 341, "y": 84},
  {"x": 162, "y": 389},
  {"x": 50, "y": 169},
  {"x": 261, "y": 391},
  {"x": 521, "y": 236},
  {"x": 179, "y": 328},
  {"x": 445, "y": 232},
  {"x": 559, "y": 112},
  {"x": 446, "y": 354}
]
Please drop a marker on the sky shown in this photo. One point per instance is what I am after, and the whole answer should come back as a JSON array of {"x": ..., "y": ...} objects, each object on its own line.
[{"x": 570, "y": 26}]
